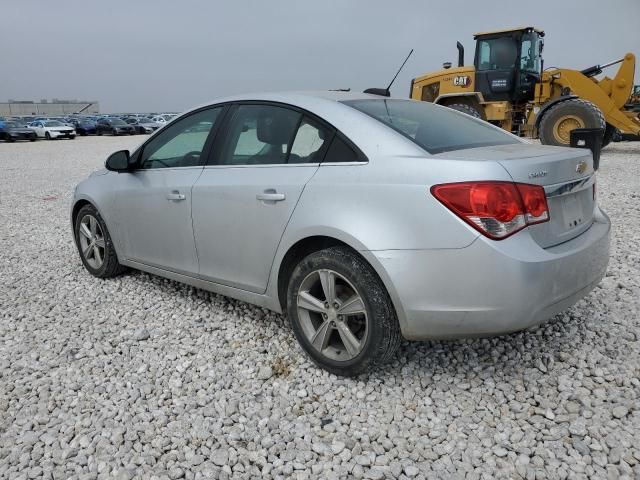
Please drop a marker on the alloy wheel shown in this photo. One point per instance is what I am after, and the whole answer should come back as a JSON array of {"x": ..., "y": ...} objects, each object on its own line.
[
  {"x": 92, "y": 244},
  {"x": 332, "y": 315}
]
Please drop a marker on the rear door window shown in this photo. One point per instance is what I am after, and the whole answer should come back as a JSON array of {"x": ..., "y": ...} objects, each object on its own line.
[
  {"x": 310, "y": 143},
  {"x": 259, "y": 135}
]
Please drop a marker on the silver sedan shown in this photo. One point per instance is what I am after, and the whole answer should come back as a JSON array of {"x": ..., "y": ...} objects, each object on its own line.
[{"x": 364, "y": 218}]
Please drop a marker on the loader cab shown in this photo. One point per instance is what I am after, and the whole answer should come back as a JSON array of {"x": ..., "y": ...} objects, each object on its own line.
[{"x": 508, "y": 64}]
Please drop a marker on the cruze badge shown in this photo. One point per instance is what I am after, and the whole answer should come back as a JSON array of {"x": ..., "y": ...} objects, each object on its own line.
[
  {"x": 542, "y": 173},
  {"x": 581, "y": 167}
]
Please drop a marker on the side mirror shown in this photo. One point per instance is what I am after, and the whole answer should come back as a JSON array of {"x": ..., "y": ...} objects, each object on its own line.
[{"x": 118, "y": 161}]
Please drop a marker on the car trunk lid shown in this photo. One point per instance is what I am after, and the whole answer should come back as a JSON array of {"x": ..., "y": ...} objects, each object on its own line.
[{"x": 565, "y": 173}]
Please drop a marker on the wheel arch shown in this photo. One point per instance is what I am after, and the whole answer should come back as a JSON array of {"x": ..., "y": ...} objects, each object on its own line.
[
  {"x": 312, "y": 243},
  {"x": 82, "y": 200}
]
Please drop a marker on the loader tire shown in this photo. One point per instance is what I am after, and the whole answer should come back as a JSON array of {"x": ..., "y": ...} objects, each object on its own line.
[
  {"x": 464, "y": 108},
  {"x": 558, "y": 122}
]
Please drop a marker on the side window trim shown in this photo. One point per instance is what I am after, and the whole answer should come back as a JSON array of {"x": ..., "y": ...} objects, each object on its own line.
[
  {"x": 293, "y": 138},
  {"x": 222, "y": 131}
]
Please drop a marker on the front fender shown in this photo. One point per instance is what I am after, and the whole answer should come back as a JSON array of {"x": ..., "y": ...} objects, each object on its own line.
[{"x": 96, "y": 191}]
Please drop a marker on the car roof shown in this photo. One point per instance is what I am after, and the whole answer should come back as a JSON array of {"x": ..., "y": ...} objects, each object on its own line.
[
  {"x": 372, "y": 136},
  {"x": 294, "y": 97}
]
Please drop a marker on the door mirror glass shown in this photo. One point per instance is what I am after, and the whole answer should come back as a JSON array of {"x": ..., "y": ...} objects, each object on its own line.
[{"x": 118, "y": 161}]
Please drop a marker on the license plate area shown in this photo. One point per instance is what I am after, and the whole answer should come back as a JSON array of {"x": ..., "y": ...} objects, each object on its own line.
[{"x": 571, "y": 207}]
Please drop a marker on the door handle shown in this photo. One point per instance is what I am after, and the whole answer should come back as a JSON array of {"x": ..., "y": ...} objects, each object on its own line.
[
  {"x": 176, "y": 196},
  {"x": 271, "y": 196}
]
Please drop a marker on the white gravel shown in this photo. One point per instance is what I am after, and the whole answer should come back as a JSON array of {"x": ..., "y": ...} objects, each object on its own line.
[{"x": 140, "y": 377}]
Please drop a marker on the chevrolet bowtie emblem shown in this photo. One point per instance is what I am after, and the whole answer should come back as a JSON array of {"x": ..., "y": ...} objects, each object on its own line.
[{"x": 581, "y": 167}]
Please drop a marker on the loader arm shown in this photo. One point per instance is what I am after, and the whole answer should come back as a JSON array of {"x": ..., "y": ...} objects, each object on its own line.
[{"x": 609, "y": 95}]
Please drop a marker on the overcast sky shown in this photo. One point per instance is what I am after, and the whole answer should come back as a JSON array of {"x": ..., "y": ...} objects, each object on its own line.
[{"x": 150, "y": 55}]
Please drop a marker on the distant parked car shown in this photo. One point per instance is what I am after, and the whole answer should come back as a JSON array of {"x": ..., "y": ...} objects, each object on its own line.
[
  {"x": 162, "y": 119},
  {"x": 52, "y": 129},
  {"x": 114, "y": 126},
  {"x": 142, "y": 125},
  {"x": 84, "y": 126},
  {"x": 11, "y": 131}
]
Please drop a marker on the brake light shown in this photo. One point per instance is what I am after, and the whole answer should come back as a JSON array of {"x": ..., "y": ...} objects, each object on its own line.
[{"x": 495, "y": 209}]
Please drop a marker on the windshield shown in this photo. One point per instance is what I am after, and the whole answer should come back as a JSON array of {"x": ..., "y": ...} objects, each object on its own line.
[
  {"x": 53, "y": 123},
  {"x": 434, "y": 128},
  {"x": 117, "y": 121},
  {"x": 11, "y": 125}
]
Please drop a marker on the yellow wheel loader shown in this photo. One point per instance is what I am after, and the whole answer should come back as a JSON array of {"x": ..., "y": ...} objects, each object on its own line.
[{"x": 509, "y": 86}]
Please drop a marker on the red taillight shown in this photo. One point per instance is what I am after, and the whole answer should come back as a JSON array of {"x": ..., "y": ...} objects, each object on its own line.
[{"x": 496, "y": 209}]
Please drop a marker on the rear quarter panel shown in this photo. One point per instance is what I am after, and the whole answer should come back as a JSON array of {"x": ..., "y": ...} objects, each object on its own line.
[{"x": 386, "y": 204}]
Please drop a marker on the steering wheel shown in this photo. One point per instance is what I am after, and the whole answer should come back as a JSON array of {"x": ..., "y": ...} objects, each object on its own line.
[{"x": 191, "y": 158}]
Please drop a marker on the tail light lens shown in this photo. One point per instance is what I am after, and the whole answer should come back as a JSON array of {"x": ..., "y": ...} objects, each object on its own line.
[{"x": 495, "y": 209}]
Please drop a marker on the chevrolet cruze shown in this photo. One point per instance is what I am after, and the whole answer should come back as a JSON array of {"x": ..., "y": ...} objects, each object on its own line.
[{"x": 364, "y": 218}]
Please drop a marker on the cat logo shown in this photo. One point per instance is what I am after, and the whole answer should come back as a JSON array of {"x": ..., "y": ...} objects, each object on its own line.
[{"x": 462, "y": 81}]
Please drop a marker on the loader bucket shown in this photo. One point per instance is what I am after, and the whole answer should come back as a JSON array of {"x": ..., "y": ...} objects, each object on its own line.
[{"x": 590, "y": 138}]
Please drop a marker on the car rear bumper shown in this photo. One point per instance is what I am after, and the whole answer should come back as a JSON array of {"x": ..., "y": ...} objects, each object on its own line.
[{"x": 493, "y": 287}]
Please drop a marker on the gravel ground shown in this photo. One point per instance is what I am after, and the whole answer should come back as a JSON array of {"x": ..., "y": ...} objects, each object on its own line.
[{"x": 141, "y": 377}]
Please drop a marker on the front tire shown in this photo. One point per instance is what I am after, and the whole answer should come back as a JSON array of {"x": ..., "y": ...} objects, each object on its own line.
[
  {"x": 47, "y": 135},
  {"x": 558, "y": 122},
  {"x": 341, "y": 313},
  {"x": 94, "y": 244}
]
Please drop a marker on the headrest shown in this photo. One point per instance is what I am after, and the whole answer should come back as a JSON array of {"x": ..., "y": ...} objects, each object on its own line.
[{"x": 276, "y": 125}]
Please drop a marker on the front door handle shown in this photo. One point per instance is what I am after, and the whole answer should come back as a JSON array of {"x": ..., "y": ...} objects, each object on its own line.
[
  {"x": 271, "y": 196},
  {"x": 176, "y": 196}
]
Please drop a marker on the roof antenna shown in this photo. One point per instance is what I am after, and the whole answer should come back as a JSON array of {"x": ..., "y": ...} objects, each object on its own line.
[{"x": 384, "y": 92}]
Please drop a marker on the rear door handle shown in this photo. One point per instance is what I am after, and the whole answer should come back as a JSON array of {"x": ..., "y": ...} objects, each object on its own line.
[
  {"x": 271, "y": 196},
  {"x": 176, "y": 196}
]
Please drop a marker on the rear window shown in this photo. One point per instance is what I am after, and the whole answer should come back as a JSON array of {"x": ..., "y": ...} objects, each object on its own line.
[{"x": 433, "y": 128}]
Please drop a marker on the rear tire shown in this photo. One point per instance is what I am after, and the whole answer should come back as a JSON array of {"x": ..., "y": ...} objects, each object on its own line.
[
  {"x": 464, "y": 108},
  {"x": 558, "y": 122},
  {"x": 108, "y": 265},
  {"x": 359, "y": 303}
]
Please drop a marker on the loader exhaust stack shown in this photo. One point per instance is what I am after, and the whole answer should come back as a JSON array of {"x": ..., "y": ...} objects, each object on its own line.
[{"x": 460, "y": 54}]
